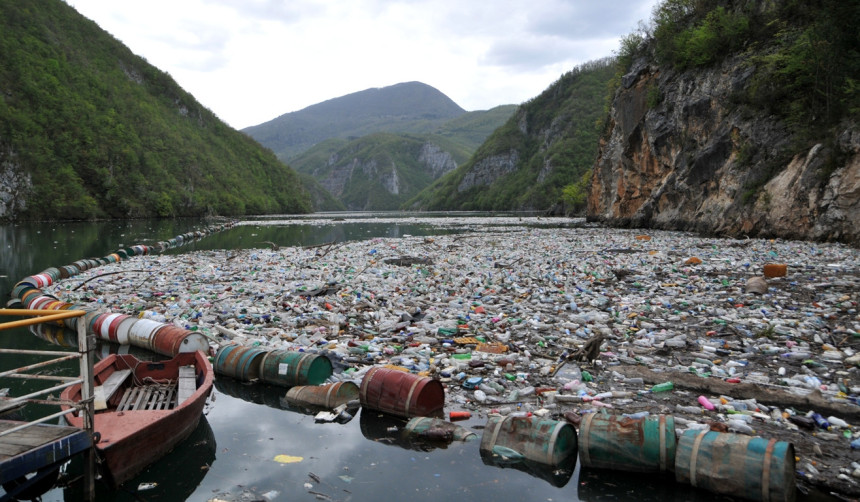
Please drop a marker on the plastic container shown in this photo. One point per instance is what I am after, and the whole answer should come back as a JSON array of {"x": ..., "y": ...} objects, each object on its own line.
[
  {"x": 774, "y": 270},
  {"x": 736, "y": 465},
  {"x": 633, "y": 444}
]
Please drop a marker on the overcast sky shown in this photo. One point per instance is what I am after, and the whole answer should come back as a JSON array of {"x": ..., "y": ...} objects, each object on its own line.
[{"x": 250, "y": 61}]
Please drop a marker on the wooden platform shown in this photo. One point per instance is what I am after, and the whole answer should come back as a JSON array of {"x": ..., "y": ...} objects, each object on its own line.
[{"x": 37, "y": 447}]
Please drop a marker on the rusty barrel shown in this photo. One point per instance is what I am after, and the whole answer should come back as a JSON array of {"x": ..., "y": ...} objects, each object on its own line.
[
  {"x": 171, "y": 340},
  {"x": 239, "y": 362},
  {"x": 400, "y": 393},
  {"x": 325, "y": 396},
  {"x": 288, "y": 368},
  {"x": 736, "y": 465},
  {"x": 645, "y": 444},
  {"x": 544, "y": 441},
  {"x": 424, "y": 426}
]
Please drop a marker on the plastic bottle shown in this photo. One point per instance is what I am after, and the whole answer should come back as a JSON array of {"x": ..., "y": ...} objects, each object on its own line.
[
  {"x": 662, "y": 387},
  {"x": 820, "y": 421},
  {"x": 837, "y": 422},
  {"x": 706, "y": 404}
]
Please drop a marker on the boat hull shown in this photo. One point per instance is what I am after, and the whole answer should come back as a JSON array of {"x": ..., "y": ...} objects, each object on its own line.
[{"x": 132, "y": 439}]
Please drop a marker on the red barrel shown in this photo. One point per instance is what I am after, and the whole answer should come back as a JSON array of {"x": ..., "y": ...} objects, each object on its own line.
[
  {"x": 171, "y": 340},
  {"x": 402, "y": 394},
  {"x": 102, "y": 328}
]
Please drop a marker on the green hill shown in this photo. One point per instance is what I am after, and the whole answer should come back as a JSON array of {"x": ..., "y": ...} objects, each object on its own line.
[
  {"x": 90, "y": 130},
  {"x": 380, "y": 171},
  {"x": 409, "y": 107},
  {"x": 549, "y": 143}
]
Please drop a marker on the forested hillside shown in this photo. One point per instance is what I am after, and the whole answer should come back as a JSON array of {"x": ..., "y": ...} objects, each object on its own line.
[
  {"x": 383, "y": 170},
  {"x": 408, "y": 107},
  {"x": 550, "y": 143},
  {"x": 89, "y": 130}
]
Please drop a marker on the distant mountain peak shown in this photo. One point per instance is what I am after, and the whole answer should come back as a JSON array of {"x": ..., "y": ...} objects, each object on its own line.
[{"x": 407, "y": 107}]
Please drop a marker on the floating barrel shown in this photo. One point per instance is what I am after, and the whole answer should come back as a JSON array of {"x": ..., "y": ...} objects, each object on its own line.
[
  {"x": 288, "y": 368},
  {"x": 22, "y": 289},
  {"x": 142, "y": 333},
  {"x": 239, "y": 362},
  {"x": 102, "y": 327},
  {"x": 123, "y": 329},
  {"x": 324, "y": 396},
  {"x": 424, "y": 426},
  {"x": 540, "y": 440},
  {"x": 621, "y": 443},
  {"x": 736, "y": 465},
  {"x": 171, "y": 340},
  {"x": 400, "y": 393}
]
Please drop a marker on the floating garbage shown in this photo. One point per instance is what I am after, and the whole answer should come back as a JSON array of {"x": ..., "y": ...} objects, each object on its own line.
[{"x": 491, "y": 316}]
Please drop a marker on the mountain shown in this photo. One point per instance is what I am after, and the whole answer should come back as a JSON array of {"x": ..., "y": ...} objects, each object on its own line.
[
  {"x": 410, "y": 107},
  {"x": 382, "y": 170},
  {"x": 737, "y": 119},
  {"x": 90, "y": 130},
  {"x": 550, "y": 142},
  {"x": 379, "y": 171}
]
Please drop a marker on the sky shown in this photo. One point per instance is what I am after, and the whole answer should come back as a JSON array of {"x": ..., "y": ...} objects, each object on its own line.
[{"x": 250, "y": 61}]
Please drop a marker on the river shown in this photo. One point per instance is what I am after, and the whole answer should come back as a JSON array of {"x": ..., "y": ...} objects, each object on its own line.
[{"x": 231, "y": 455}]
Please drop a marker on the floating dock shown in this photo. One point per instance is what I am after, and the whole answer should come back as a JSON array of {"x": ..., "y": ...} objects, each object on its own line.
[{"x": 40, "y": 449}]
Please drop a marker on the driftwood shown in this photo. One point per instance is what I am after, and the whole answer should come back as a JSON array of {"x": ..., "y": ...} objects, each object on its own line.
[
  {"x": 589, "y": 352},
  {"x": 765, "y": 394},
  {"x": 104, "y": 274},
  {"x": 408, "y": 261}
]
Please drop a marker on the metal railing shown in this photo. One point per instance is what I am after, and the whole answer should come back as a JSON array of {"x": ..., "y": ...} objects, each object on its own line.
[{"x": 85, "y": 355}]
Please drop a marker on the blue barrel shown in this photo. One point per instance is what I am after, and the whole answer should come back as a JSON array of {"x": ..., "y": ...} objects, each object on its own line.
[{"x": 736, "y": 465}]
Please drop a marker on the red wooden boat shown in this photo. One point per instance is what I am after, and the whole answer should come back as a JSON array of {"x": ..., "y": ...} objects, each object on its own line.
[{"x": 143, "y": 409}]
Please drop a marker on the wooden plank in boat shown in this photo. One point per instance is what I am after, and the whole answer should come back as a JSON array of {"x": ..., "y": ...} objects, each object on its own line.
[
  {"x": 187, "y": 383},
  {"x": 103, "y": 392}
]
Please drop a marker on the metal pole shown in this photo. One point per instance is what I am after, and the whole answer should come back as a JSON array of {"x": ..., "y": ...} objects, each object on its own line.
[{"x": 87, "y": 349}]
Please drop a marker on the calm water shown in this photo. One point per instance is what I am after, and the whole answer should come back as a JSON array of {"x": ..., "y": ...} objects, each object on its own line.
[{"x": 231, "y": 454}]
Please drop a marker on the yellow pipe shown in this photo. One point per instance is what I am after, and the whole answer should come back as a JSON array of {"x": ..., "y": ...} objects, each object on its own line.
[{"x": 43, "y": 316}]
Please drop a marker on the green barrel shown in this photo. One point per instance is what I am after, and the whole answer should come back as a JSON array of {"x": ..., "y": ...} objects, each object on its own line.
[
  {"x": 645, "y": 444},
  {"x": 736, "y": 465},
  {"x": 288, "y": 368},
  {"x": 547, "y": 442},
  {"x": 239, "y": 362}
]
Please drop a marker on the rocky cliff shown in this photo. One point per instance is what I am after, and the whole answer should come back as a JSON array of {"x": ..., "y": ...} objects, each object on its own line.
[{"x": 679, "y": 153}]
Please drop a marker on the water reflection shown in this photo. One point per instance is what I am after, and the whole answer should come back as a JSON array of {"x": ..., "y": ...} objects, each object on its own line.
[
  {"x": 174, "y": 477},
  {"x": 557, "y": 475}
]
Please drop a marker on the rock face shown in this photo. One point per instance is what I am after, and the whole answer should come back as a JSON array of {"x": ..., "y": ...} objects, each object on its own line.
[
  {"x": 14, "y": 184},
  {"x": 382, "y": 180},
  {"x": 677, "y": 154}
]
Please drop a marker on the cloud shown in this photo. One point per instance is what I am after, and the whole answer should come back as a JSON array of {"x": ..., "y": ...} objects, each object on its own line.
[{"x": 252, "y": 60}]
